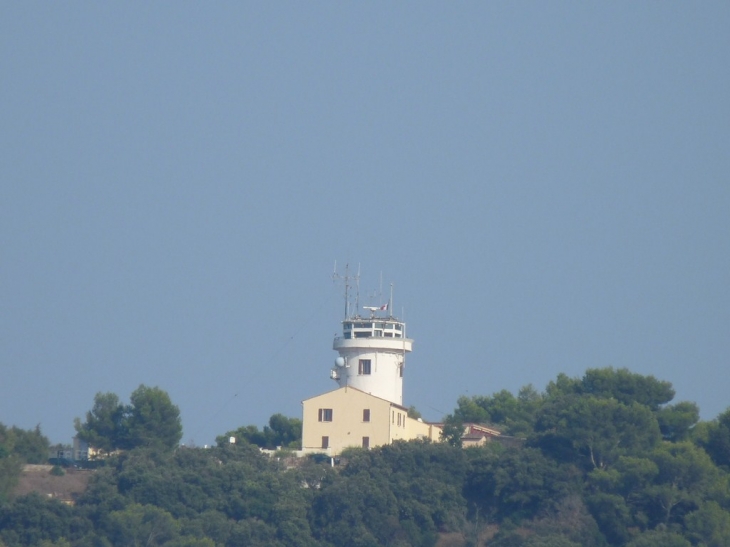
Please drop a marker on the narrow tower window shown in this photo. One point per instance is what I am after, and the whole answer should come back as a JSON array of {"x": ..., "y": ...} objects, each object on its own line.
[{"x": 363, "y": 367}]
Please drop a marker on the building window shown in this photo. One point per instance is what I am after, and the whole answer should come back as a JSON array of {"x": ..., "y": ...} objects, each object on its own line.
[
  {"x": 325, "y": 442},
  {"x": 393, "y": 417},
  {"x": 366, "y": 442},
  {"x": 399, "y": 418},
  {"x": 364, "y": 367},
  {"x": 366, "y": 415},
  {"x": 400, "y": 371},
  {"x": 325, "y": 415}
]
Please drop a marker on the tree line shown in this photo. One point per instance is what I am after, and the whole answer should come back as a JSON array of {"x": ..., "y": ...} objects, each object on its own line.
[{"x": 604, "y": 460}]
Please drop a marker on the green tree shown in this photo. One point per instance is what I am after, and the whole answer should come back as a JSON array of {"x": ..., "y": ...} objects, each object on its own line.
[
  {"x": 142, "y": 525},
  {"x": 11, "y": 460},
  {"x": 676, "y": 421},
  {"x": 512, "y": 415},
  {"x": 658, "y": 538},
  {"x": 152, "y": 420},
  {"x": 563, "y": 385},
  {"x": 31, "y": 519},
  {"x": 716, "y": 439},
  {"x": 414, "y": 413},
  {"x": 280, "y": 432},
  {"x": 709, "y": 525},
  {"x": 600, "y": 430},
  {"x": 516, "y": 483},
  {"x": 285, "y": 432},
  {"x": 686, "y": 477},
  {"x": 10, "y": 467},
  {"x": 627, "y": 387},
  {"x": 105, "y": 425},
  {"x": 30, "y": 446}
]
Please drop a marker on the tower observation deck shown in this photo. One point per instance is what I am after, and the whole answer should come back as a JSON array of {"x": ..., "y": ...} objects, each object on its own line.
[{"x": 372, "y": 354}]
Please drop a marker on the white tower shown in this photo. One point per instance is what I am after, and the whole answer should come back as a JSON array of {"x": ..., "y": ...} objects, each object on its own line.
[{"x": 372, "y": 353}]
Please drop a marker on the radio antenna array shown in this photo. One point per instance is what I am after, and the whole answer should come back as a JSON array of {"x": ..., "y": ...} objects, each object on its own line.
[{"x": 348, "y": 280}]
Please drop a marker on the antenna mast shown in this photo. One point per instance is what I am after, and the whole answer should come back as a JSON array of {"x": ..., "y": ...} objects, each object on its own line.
[
  {"x": 390, "y": 302},
  {"x": 380, "y": 296},
  {"x": 357, "y": 292},
  {"x": 347, "y": 278}
]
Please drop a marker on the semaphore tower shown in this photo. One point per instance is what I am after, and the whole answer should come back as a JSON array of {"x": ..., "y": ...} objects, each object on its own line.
[{"x": 372, "y": 348}]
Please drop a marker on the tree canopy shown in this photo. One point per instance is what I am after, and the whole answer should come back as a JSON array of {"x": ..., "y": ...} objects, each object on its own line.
[
  {"x": 150, "y": 420},
  {"x": 17, "y": 447},
  {"x": 282, "y": 432},
  {"x": 607, "y": 460}
]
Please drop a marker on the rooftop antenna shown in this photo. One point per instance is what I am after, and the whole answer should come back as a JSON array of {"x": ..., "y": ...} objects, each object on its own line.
[
  {"x": 390, "y": 301},
  {"x": 347, "y": 279},
  {"x": 357, "y": 292},
  {"x": 380, "y": 296}
]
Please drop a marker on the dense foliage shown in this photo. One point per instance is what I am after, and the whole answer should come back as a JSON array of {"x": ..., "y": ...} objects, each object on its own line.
[
  {"x": 18, "y": 446},
  {"x": 604, "y": 460},
  {"x": 282, "y": 432},
  {"x": 150, "y": 420}
]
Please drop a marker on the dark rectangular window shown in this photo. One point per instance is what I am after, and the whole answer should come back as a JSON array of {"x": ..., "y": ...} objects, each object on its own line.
[
  {"x": 366, "y": 415},
  {"x": 325, "y": 442},
  {"x": 363, "y": 367},
  {"x": 325, "y": 415},
  {"x": 366, "y": 442}
]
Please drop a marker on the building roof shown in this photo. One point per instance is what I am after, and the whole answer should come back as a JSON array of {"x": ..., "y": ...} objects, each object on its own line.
[{"x": 360, "y": 391}]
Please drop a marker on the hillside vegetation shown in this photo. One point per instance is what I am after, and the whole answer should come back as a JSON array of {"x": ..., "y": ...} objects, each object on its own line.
[{"x": 607, "y": 460}]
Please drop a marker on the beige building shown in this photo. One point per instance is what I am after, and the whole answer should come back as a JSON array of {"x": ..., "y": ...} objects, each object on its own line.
[
  {"x": 367, "y": 408},
  {"x": 349, "y": 417},
  {"x": 477, "y": 435}
]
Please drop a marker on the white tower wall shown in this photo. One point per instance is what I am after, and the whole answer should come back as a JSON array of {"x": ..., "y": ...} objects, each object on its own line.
[{"x": 372, "y": 357}]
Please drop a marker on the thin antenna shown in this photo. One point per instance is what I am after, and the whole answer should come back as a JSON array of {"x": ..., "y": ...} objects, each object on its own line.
[
  {"x": 347, "y": 290},
  {"x": 346, "y": 278},
  {"x": 357, "y": 294},
  {"x": 390, "y": 302},
  {"x": 380, "y": 296}
]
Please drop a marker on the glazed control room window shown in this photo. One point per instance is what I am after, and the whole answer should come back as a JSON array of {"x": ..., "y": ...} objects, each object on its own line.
[{"x": 363, "y": 367}]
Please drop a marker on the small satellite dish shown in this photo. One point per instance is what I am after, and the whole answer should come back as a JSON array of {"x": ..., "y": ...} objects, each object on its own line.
[{"x": 340, "y": 361}]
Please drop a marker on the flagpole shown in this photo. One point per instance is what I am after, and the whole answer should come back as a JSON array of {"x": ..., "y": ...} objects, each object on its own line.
[{"x": 390, "y": 302}]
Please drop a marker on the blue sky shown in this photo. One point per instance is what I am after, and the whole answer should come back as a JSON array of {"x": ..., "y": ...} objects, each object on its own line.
[{"x": 546, "y": 184}]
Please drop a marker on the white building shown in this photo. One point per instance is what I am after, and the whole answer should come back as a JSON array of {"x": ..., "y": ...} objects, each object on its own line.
[{"x": 367, "y": 409}]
